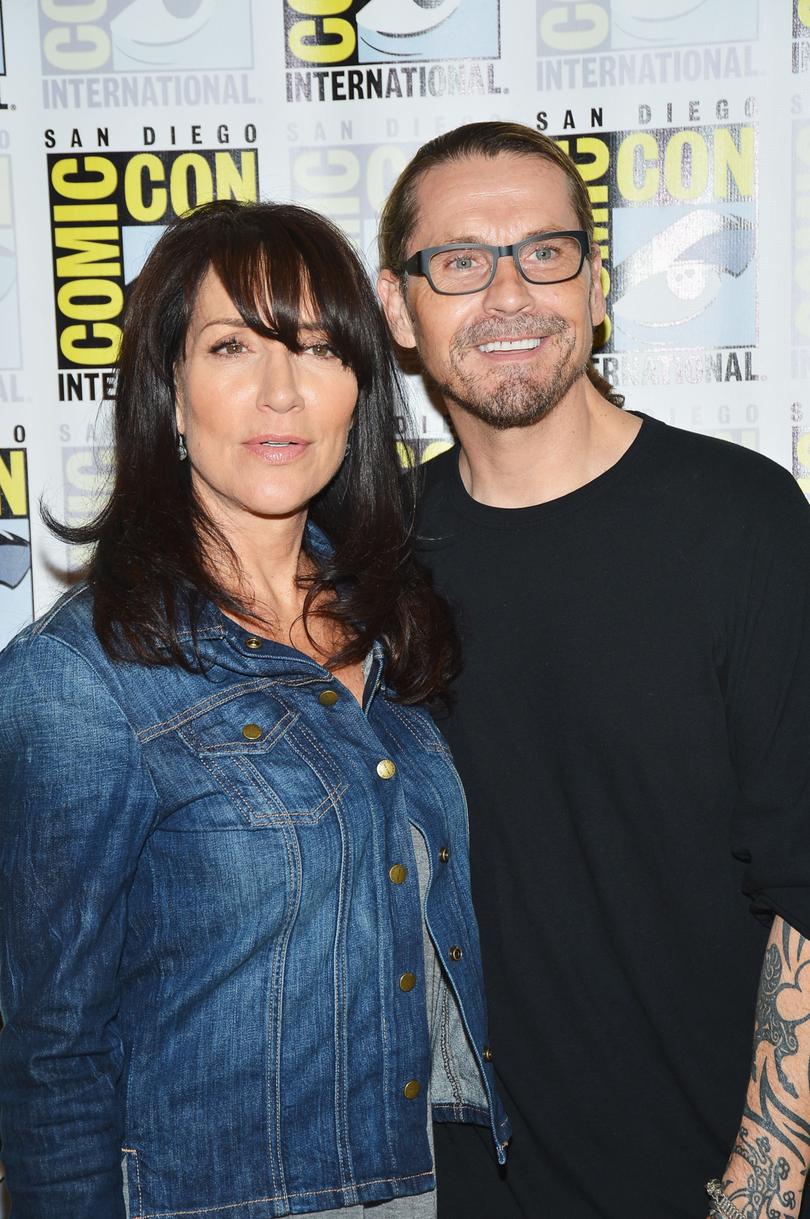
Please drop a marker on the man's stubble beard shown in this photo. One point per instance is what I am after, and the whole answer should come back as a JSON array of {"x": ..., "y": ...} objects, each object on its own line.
[{"x": 519, "y": 398}]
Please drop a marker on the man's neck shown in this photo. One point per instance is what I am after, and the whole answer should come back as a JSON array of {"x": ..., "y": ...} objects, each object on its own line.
[{"x": 580, "y": 438}]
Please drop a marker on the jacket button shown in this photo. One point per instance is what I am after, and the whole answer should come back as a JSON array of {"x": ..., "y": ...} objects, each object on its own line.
[
  {"x": 412, "y": 1089},
  {"x": 386, "y": 769},
  {"x": 328, "y": 698},
  {"x": 455, "y": 953},
  {"x": 251, "y": 732},
  {"x": 407, "y": 982},
  {"x": 444, "y": 854},
  {"x": 397, "y": 873},
  {"x": 486, "y": 1054},
  {"x": 253, "y": 643}
]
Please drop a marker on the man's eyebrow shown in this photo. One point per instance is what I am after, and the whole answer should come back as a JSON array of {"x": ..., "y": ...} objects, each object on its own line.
[{"x": 473, "y": 239}]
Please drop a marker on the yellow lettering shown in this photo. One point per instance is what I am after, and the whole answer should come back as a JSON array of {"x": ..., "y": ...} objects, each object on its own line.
[
  {"x": 62, "y": 51},
  {"x": 733, "y": 160},
  {"x": 145, "y": 201},
  {"x": 686, "y": 176},
  {"x": 190, "y": 166},
  {"x": 91, "y": 251},
  {"x": 92, "y": 300},
  {"x": 319, "y": 8},
  {"x": 384, "y": 166},
  {"x": 98, "y": 186},
  {"x": 804, "y": 13},
  {"x": 579, "y": 30},
  {"x": 236, "y": 180},
  {"x": 637, "y": 170},
  {"x": 330, "y": 52},
  {"x": 13, "y": 485},
  {"x": 104, "y": 353}
]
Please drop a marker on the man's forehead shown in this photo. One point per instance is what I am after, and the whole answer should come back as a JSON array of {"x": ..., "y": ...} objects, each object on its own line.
[{"x": 477, "y": 197}]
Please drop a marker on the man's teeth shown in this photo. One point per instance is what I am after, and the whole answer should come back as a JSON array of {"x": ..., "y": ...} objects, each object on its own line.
[{"x": 511, "y": 345}]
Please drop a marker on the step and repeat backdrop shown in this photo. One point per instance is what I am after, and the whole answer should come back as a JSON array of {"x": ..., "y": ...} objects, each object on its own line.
[{"x": 689, "y": 121}]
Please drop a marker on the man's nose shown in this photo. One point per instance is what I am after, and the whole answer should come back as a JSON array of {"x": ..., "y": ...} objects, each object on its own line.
[{"x": 509, "y": 292}]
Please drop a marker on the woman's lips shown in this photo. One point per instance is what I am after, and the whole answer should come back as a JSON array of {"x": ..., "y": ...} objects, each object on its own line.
[{"x": 277, "y": 450}]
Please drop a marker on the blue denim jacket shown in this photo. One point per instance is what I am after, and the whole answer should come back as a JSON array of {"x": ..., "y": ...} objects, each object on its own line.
[{"x": 208, "y": 902}]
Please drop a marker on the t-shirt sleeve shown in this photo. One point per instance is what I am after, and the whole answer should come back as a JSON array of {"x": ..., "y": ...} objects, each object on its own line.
[{"x": 767, "y": 674}]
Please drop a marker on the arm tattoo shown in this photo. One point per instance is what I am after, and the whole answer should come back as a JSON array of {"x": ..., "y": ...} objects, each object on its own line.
[
  {"x": 766, "y": 1171},
  {"x": 770, "y": 1025},
  {"x": 761, "y": 1194}
]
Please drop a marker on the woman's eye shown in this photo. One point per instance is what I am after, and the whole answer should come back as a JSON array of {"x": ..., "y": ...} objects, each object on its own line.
[
  {"x": 321, "y": 351},
  {"x": 229, "y": 347}
]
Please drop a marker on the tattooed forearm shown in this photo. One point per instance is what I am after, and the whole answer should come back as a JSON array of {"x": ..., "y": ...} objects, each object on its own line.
[
  {"x": 761, "y": 1194},
  {"x": 766, "y": 1171}
]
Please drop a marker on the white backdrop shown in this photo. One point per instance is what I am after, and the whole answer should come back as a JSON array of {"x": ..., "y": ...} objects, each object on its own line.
[{"x": 690, "y": 122}]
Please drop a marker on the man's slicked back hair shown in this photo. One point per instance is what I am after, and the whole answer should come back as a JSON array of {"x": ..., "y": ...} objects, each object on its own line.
[{"x": 399, "y": 216}]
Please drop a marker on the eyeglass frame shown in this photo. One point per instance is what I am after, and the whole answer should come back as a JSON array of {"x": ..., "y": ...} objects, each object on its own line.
[{"x": 417, "y": 264}]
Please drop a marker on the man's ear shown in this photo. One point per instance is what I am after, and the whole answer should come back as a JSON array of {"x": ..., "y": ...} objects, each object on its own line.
[
  {"x": 597, "y": 292},
  {"x": 395, "y": 307}
]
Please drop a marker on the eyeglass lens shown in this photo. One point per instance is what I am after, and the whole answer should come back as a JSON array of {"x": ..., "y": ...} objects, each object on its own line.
[{"x": 542, "y": 261}]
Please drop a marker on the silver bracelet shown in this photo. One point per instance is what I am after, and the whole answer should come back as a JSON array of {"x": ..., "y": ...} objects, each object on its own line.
[{"x": 722, "y": 1205}]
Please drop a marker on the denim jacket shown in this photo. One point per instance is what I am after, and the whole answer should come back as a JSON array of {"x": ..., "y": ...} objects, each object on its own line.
[{"x": 209, "y": 905}]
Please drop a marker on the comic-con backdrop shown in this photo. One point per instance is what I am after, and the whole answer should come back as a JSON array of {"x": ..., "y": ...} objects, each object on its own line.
[{"x": 689, "y": 121}]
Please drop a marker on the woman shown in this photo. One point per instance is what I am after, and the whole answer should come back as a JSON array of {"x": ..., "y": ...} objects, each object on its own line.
[{"x": 222, "y": 797}]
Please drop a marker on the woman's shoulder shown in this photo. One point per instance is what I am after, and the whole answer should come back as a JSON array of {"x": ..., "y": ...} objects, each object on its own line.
[{"x": 68, "y": 622}]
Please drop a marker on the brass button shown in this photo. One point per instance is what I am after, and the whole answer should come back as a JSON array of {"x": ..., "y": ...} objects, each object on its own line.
[
  {"x": 386, "y": 769},
  {"x": 486, "y": 1054},
  {"x": 251, "y": 732},
  {"x": 407, "y": 982},
  {"x": 455, "y": 953},
  {"x": 328, "y": 698},
  {"x": 444, "y": 854},
  {"x": 397, "y": 873},
  {"x": 412, "y": 1089},
  {"x": 253, "y": 643}
]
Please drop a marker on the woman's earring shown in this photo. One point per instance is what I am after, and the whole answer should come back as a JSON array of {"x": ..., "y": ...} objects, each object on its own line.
[{"x": 182, "y": 451}]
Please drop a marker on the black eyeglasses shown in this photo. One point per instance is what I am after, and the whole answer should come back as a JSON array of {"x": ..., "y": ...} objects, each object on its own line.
[{"x": 460, "y": 267}]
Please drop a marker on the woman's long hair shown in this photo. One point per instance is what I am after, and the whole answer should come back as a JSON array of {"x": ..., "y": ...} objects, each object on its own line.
[{"x": 149, "y": 568}]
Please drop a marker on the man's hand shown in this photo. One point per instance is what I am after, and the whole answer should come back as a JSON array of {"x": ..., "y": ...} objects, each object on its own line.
[{"x": 766, "y": 1171}]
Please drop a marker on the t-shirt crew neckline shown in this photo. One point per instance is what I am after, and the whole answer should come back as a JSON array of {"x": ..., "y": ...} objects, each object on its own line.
[{"x": 508, "y": 518}]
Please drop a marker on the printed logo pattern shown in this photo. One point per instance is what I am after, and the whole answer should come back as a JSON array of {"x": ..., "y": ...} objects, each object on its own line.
[
  {"x": 107, "y": 210},
  {"x": 145, "y": 36}
]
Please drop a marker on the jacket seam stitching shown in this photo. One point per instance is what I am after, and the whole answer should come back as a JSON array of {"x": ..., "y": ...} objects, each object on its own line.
[{"x": 207, "y": 1210}]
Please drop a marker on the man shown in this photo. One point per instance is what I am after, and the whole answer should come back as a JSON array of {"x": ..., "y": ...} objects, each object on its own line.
[{"x": 632, "y": 722}]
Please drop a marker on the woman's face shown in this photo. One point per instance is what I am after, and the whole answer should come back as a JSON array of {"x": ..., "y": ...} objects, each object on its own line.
[{"x": 265, "y": 429}]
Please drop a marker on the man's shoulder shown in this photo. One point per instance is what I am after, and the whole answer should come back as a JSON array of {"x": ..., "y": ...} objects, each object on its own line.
[{"x": 691, "y": 463}]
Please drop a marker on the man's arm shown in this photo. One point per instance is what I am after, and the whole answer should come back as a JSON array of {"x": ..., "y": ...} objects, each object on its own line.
[{"x": 766, "y": 1171}]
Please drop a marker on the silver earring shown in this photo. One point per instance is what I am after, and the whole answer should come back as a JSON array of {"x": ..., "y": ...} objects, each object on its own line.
[{"x": 182, "y": 451}]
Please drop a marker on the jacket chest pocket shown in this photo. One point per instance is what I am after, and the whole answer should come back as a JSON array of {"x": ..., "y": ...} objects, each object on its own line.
[{"x": 267, "y": 766}]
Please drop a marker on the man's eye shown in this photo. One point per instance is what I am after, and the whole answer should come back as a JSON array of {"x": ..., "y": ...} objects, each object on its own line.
[
  {"x": 543, "y": 253},
  {"x": 462, "y": 260}
]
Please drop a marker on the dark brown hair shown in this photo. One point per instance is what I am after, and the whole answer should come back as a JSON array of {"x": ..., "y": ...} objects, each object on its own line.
[
  {"x": 148, "y": 570},
  {"x": 492, "y": 139}
]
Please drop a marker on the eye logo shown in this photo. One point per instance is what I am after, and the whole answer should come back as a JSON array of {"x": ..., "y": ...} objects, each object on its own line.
[
  {"x": 146, "y": 36},
  {"x": 390, "y": 31},
  {"x": 663, "y": 292},
  {"x": 674, "y": 22},
  {"x": 426, "y": 29},
  {"x": 15, "y": 558}
]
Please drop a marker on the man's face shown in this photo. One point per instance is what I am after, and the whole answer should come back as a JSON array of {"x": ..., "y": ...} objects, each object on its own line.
[{"x": 497, "y": 201}]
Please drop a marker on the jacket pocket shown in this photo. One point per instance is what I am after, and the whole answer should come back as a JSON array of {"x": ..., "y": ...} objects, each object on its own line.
[{"x": 267, "y": 766}]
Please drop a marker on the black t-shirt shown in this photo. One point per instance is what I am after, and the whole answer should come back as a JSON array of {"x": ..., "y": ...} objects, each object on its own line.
[{"x": 632, "y": 725}]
